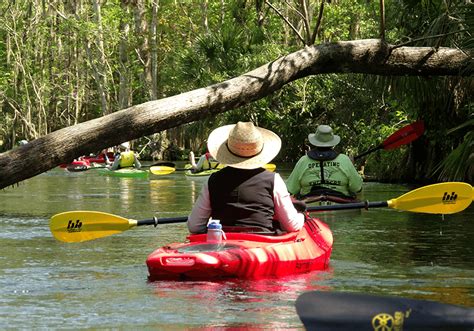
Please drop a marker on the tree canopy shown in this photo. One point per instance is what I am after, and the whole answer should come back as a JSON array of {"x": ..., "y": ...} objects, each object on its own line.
[{"x": 66, "y": 64}]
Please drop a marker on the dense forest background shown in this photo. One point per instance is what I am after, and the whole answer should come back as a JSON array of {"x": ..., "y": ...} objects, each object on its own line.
[{"x": 66, "y": 62}]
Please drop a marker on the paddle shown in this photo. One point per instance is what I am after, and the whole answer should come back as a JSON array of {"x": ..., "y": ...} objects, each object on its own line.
[
  {"x": 401, "y": 137},
  {"x": 356, "y": 311},
  {"x": 270, "y": 167},
  {"x": 78, "y": 226},
  {"x": 444, "y": 198},
  {"x": 162, "y": 170},
  {"x": 166, "y": 170},
  {"x": 162, "y": 163}
]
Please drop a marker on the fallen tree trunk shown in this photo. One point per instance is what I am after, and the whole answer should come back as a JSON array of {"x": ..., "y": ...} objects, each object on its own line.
[{"x": 360, "y": 56}]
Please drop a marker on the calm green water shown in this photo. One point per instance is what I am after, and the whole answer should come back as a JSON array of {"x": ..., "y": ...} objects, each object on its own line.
[{"x": 103, "y": 283}]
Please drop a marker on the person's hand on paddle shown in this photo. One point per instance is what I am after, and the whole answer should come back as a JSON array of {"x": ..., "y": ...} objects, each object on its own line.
[{"x": 299, "y": 205}]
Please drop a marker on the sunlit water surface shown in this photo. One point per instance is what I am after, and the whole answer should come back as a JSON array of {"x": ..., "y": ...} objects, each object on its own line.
[{"x": 103, "y": 283}]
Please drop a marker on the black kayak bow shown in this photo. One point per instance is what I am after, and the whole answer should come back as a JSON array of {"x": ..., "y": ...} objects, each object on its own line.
[{"x": 356, "y": 311}]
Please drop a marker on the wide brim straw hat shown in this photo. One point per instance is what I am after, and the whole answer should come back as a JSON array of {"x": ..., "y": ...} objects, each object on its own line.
[
  {"x": 243, "y": 145},
  {"x": 324, "y": 137}
]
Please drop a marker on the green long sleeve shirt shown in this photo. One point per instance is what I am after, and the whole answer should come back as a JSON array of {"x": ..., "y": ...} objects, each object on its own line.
[{"x": 339, "y": 174}]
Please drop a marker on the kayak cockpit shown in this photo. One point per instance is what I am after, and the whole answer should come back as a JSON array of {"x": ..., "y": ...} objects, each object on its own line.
[
  {"x": 248, "y": 236},
  {"x": 244, "y": 255}
]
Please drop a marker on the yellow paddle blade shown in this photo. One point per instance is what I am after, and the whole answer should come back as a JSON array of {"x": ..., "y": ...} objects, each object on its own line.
[
  {"x": 162, "y": 170},
  {"x": 77, "y": 226},
  {"x": 268, "y": 166},
  {"x": 442, "y": 198}
]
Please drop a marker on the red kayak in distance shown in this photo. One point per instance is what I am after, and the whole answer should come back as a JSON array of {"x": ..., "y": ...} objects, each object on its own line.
[
  {"x": 78, "y": 165},
  {"x": 244, "y": 255},
  {"x": 100, "y": 158},
  {"x": 86, "y": 162}
]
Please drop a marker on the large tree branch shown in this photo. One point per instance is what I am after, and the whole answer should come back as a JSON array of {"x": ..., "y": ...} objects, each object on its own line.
[{"x": 360, "y": 56}]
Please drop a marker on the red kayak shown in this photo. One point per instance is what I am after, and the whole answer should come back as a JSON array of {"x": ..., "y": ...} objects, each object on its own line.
[
  {"x": 87, "y": 162},
  {"x": 100, "y": 158},
  {"x": 78, "y": 165},
  {"x": 244, "y": 255}
]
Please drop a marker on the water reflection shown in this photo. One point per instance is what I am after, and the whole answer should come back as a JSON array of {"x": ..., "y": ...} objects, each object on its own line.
[
  {"x": 195, "y": 190},
  {"x": 126, "y": 196},
  {"x": 172, "y": 195},
  {"x": 242, "y": 290},
  {"x": 160, "y": 191},
  {"x": 103, "y": 283},
  {"x": 231, "y": 304}
]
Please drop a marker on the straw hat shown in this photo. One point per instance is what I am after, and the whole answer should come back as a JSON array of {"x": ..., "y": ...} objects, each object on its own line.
[
  {"x": 324, "y": 137},
  {"x": 243, "y": 145}
]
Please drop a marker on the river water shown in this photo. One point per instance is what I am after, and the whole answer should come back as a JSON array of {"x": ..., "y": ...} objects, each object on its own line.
[{"x": 102, "y": 284}]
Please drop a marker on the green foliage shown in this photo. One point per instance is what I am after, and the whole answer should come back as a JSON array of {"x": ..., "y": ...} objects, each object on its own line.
[
  {"x": 348, "y": 19},
  {"x": 459, "y": 164},
  {"x": 442, "y": 102},
  {"x": 52, "y": 69}
]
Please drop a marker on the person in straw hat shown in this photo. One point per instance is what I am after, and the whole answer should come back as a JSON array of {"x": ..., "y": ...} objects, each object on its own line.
[
  {"x": 244, "y": 194},
  {"x": 323, "y": 170},
  {"x": 126, "y": 158}
]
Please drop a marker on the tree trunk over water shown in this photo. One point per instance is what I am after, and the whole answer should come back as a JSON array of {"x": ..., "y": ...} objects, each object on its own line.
[{"x": 360, "y": 56}]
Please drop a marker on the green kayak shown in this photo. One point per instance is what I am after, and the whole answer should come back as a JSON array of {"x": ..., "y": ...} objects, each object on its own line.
[
  {"x": 208, "y": 172},
  {"x": 125, "y": 172},
  {"x": 216, "y": 167}
]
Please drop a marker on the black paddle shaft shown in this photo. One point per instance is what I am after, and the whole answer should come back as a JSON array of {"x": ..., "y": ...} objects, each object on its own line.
[
  {"x": 368, "y": 152},
  {"x": 356, "y": 205},
  {"x": 352, "y": 205},
  {"x": 166, "y": 220}
]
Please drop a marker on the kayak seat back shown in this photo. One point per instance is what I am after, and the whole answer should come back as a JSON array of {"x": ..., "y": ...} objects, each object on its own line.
[{"x": 268, "y": 238}]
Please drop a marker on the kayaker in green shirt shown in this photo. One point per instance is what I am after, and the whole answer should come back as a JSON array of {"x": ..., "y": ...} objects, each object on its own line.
[{"x": 323, "y": 170}]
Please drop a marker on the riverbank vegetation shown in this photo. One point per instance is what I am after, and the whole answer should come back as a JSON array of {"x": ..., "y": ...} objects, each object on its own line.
[{"x": 64, "y": 63}]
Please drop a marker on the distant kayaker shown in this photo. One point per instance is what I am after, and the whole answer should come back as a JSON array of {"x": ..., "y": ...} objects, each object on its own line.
[
  {"x": 126, "y": 158},
  {"x": 244, "y": 194},
  {"x": 204, "y": 162},
  {"x": 323, "y": 170}
]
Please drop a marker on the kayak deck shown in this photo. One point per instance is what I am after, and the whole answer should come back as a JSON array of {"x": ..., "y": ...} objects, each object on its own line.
[
  {"x": 328, "y": 311},
  {"x": 244, "y": 255},
  {"x": 201, "y": 173}
]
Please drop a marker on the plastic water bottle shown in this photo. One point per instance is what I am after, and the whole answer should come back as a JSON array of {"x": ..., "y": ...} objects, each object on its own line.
[{"x": 214, "y": 231}]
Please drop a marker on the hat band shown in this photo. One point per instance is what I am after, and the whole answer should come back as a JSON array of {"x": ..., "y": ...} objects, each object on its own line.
[{"x": 245, "y": 157}]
